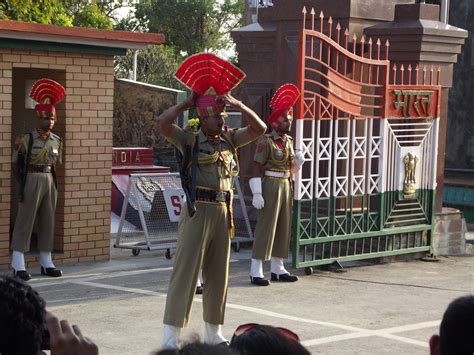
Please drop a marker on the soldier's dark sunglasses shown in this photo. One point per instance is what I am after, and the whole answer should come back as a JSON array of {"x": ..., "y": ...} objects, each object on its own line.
[{"x": 242, "y": 329}]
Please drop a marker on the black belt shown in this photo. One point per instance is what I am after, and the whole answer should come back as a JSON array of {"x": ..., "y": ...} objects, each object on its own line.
[
  {"x": 40, "y": 168},
  {"x": 212, "y": 195}
]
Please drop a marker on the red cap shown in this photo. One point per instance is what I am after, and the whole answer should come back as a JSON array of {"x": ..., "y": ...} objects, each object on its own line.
[
  {"x": 204, "y": 72},
  {"x": 47, "y": 93},
  {"x": 283, "y": 99},
  {"x": 45, "y": 110}
]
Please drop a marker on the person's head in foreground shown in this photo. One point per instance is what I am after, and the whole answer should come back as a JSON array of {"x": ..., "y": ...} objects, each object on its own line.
[
  {"x": 456, "y": 333},
  {"x": 22, "y": 317},
  {"x": 258, "y": 339},
  {"x": 195, "y": 347}
]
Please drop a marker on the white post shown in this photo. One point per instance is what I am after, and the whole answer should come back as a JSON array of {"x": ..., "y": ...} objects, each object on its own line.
[
  {"x": 135, "y": 60},
  {"x": 444, "y": 11}
]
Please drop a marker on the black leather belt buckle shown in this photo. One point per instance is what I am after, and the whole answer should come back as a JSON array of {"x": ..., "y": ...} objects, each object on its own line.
[{"x": 40, "y": 168}]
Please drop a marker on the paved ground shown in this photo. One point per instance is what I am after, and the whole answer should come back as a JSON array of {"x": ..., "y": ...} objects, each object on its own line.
[{"x": 370, "y": 309}]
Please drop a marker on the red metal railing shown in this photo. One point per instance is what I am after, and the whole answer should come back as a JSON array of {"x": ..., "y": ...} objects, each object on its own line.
[{"x": 343, "y": 80}]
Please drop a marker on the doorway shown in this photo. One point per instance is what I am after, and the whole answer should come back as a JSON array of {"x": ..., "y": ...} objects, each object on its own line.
[{"x": 24, "y": 121}]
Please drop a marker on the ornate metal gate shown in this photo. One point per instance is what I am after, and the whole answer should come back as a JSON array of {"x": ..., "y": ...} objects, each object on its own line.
[{"x": 369, "y": 135}]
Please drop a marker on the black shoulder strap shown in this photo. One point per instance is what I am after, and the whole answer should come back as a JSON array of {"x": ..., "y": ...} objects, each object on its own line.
[
  {"x": 30, "y": 145},
  {"x": 189, "y": 154},
  {"x": 27, "y": 163},
  {"x": 195, "y": 156}
]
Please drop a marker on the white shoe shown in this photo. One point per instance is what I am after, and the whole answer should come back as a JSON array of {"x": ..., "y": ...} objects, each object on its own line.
[
  {"x": 277, "y": 266},
  {"x": 18, "y": 261},
  {"x": 213, "y": 334},
  {"x": 256, "y": 268},
  {"x": 170, "y": 336},
  {"x": 46, "y": 259}
]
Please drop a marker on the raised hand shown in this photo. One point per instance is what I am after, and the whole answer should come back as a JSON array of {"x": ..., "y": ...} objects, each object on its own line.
[{"x": 68, "y": 340}]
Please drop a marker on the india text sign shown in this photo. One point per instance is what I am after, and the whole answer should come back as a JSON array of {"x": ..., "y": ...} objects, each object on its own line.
[{"x": 414, "y": 102}]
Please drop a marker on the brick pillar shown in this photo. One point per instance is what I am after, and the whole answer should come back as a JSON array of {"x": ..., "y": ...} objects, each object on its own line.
[
  {"x": 417, "y": 37},
  {"x": 5, "y": 153}
]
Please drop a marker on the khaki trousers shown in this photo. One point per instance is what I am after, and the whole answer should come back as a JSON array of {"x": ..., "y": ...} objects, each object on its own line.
[
  {"x": 39, "y": 202},
  {"x": 273, "y": 229},
  {"x": 203, "y": 241}
]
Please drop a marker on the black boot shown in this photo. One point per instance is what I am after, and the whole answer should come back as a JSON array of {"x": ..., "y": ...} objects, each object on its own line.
[
  {"x": 22, "y": 274},
  {"x": 284, "y": 277},
  {"x": 259, "y": 281},
  {"x": 51, "y": 271}
]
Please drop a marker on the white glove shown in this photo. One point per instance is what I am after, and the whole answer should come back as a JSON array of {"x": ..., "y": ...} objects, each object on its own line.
[
  {"x": 297, "y": 163},
  {"x": 256, "y": 187}
]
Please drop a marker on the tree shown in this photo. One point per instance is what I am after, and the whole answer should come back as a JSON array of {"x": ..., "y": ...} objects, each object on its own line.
[
  {"x": 192, "y": 26},
  {"x": 155, "y": 65},
  {"x": 93, "y": 14},
  {"x": 47, "y": 11}
]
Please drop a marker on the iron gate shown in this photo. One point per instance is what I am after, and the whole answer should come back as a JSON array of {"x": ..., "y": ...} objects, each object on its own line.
[{"x": 369, "y": 134}]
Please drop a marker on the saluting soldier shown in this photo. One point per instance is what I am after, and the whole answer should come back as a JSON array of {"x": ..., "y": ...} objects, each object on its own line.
[
  {"x": 275, "y": 161},
  {"x": 35, "y": 156},
  {"x": 210, "y": 162}
]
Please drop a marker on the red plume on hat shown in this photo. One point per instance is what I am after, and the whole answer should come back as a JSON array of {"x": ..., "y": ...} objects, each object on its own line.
[
  {"x": 204, "y": 72},
  {"x": 47, "y": 93},
  {"x": 283, "y": 99}
]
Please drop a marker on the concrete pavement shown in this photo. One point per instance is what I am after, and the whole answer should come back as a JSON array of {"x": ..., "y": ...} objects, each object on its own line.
[{"x": 370, "y": 309}]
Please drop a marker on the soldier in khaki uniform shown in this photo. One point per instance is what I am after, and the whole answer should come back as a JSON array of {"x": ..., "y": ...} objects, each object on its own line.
[
  {"x": 35, "y": 156},
  {"x": 275, "y": 160},
  {"x": 204, "y": 237}
]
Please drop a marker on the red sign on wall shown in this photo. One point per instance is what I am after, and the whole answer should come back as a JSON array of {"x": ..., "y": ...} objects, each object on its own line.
[
  {"x": 132, "y": 156},
  {"x": 410, "y": 101}
]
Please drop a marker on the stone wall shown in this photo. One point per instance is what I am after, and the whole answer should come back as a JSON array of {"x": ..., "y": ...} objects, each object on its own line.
[
  {"x": 137, "y": 105},
  {"x": 450, "y": 233}
]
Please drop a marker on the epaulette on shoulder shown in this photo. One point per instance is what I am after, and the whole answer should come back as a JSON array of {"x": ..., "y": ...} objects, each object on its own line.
[{"x": 56, "y": 136}]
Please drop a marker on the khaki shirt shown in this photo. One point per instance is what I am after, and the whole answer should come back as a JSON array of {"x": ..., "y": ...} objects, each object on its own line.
[
  {"x": 47, "y": 152},
  {"x": 271, "y": 156},
  {"x": 215, "y": 164}
]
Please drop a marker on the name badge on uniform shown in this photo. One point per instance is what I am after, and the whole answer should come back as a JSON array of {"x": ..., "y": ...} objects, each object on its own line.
[{"x": 55, "y": 151}]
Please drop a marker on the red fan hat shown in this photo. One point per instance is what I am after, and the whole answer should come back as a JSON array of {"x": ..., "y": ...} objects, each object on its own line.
[
  {"x": 47, "y": 93},
  {"x": 284, "y": 99},
  {"x": 205, "y": 73}
]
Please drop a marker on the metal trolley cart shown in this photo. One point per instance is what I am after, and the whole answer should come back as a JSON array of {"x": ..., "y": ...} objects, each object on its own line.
[{"x": 150, "y": 214}]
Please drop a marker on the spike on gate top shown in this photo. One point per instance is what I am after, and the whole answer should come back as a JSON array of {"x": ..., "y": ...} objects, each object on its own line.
[
  {"x": 330, "y": 26},
  {"x": 378, "y": 48},
  {"x": 338, "y": 30},
  {"x": 370, "y": 47}
]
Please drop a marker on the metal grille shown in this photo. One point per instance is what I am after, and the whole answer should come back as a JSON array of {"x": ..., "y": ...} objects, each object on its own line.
[{"x": 151, "y": 209}]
